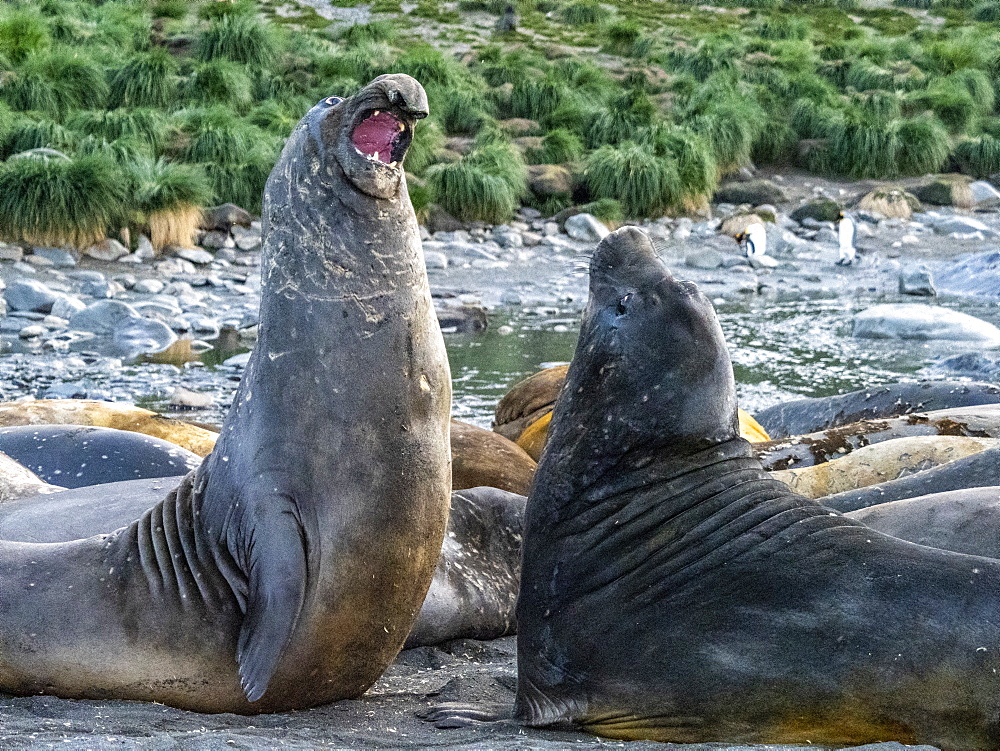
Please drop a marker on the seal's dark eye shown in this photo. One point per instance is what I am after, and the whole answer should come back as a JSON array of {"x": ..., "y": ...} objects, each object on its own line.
[
  {"x": 622, "y": 310},
  {"x": 332, "y": 100}
]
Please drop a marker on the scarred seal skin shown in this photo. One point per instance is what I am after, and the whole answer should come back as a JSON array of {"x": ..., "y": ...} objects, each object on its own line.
[
  {"x": 671, "y": 590},
  {"x": 287, "y": 571}
]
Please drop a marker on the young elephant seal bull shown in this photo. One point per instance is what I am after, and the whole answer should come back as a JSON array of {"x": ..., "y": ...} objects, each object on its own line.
[
  {"x": 288, "y": 570},
  {"x": 671, "y": 590}
]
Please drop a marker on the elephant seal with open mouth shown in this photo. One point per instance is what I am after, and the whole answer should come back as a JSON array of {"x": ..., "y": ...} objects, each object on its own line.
[
  {"x": 288, "y": 570},
  {"x": 672, "y": 591}
]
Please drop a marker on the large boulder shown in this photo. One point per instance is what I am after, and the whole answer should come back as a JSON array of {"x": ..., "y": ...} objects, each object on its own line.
[
  {"x": 753, "y": 192},
  {"x": 586, "y": 228},
  {"x": 976, "y": 274},
  {"x": 891, "y": 202},
  {"x": 820, "y": 209},
  {"x": 946, "y": 190},
  {"x": 222, "y": 218},
  {"x": 29, "y": 295},
  {"x": 547, "y": 180},
  {"x": 923, "y": 322}
]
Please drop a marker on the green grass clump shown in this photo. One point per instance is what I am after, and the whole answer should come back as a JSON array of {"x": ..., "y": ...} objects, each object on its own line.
[
  {"x": 953, "y": 104},
  {"x": 220, "y": 82},
  {"x": 54, "y": 201},
  {"x": 781, "y": 27},
  {"x": 275, "y": 117},
  {"x": 631, "y": 173},
  {"x": 175, "y": 9},
  {"x": 359, "y": 33},
  {"x": 143, "y": 124},
  {"x": 243, "y": 183},
  {"x": 430, "y": 67},
  {"x": 623, "y": 117},
  {"x": 924, "y": 145},
  {"x": 147, "y": 80},
  {"x": 987, "y": 12},
  {"x": 22, "y": 32},
  {"x": 239, "y": 38},
  {"x": 535, "y": 98},
  {"x": 560, "y": 146},
  {"x": 608, "y": 210},
  {"x": 730, "y": 127},
  {"x": 979, "y": 157},
  {"x": 28, "y": 134},
  {"x": 583, "y": 13},
  {"x": 30, "y": 91},
  {"x": 623, "y": 36},
  {"x": 486, "y": 185},
  {"x": 124, "y": 151},
  {"x": 812, "y": 120},
  {"x": 865, "y": 149},
  {"x": 55, "y": 82},
  {"x": 876, "y": 104},
  {"x": 214, "y": 9},
  {"x": 220, "y": 142},
  {"x": 428, "y": 140},
  {"x": 461, "y": 111},
  {"x": 979, "y": 86},
  {"x": 697, "y": 171},
  {"x": 361, "y": 62}
]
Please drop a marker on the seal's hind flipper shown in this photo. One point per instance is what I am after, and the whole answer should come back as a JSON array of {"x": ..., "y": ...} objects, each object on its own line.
[{"x": 276, "y": 578}]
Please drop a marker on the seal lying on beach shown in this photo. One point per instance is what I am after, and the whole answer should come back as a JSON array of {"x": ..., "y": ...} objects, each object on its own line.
[
  {"x": 288, "y": 570},
  {"x": 811, "y": 415},
  {"x": 671, "y": 590}
]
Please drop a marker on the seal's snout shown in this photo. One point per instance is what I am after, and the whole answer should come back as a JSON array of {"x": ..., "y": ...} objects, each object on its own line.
[{"x": 626, "y": 256}]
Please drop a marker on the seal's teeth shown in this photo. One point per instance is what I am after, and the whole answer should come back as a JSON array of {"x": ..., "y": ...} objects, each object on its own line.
[
  {"x": 393, "y": 163},
  {"x": 375, "y": 156},
  {"x": 401, "y": 126},
  {"x": 376, "y": 113}
]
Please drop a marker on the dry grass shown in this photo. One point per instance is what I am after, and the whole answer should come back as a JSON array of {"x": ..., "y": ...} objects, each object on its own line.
[
  {"x": 177, "y": 226},
  {"x": 891, "y": 202}
]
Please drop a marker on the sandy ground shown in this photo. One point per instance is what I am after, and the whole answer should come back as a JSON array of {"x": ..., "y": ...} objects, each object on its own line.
[{"x": 384, "y": 718}]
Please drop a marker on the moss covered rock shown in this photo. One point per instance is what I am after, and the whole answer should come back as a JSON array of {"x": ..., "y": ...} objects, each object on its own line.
[
  {"x": 753, "y": 192},
  {"x": 946, "y": 190},
  {"x": 822, "y": 210}
]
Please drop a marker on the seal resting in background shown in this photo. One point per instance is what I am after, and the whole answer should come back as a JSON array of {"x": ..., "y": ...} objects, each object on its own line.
[
  {"x": 979, "y": 421},
  {"x": 288, "y": 570},
  {"x": 966, "y": 521},
  {"x": 108, "y": 415},
  {"x": 671, "y": 590},
  {"x": 481, "y": 457},
  {"x": 811, "y": 415},
  {"x": 976, "y": 471},
  {"x": 524, "y": 413},
  {"x": 74, "y": 455}
]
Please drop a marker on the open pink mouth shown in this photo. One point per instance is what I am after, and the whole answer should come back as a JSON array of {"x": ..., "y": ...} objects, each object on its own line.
[{"x": 380, "y": 137}]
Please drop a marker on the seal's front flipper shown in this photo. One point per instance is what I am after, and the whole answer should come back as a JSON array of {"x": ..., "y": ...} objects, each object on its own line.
[
  {"x": 458, "y": 715},
  {"x": 275, "y": 555}
]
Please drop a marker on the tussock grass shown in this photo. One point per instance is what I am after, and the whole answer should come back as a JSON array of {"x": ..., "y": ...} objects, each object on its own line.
[
  {"x": 242, "y": 184},
  {"x": 608, "y": 210},
  {"x": 924, "y": 145},
  {"x": 865, "y": 148},
  {"x": 225, "y": 143},
  {"x": 276, "y": 117},
  {"x": 53, "y": 201},
  {"x": 978, "y": 157},
  {"x": 240, "y": 39},
  {"x": 623, "y": 117},
  {"x": 781, "y": 27},
  {"x": 359, "y": 33},
  {"x": 878, "y": 104},
  {"x": 486, "y": 185},
  {"x": 428, "y": 140},
  {"x": 560, "y": 146},
  {"x": 144, "y": 124},
  {"x": 430, "y": 67},
  {"x": 730, "y": 127},
  {"x": 987, "y": 12},
  {"x": 536, "y": 98},
  {"x": 22, "y": 32},
  {"x": 631, "y": 173},
  {"x": 220, "y": 82},
  {"x": 147, "y": 80},
  {"x": 979, "y": 86},
  {"x": 170, "y": 197},
  {"x": 953, "y": 105},
  {"x": 213, "y": 9},
  {"x": 461, "y": 111},
  {"x": 175, "y": 9},
  {"x": 812, "y": 120},
  {"x": 583, "y": 13},
  {"x": 55, "y": 82},
  {"x": 26, "y": 134}
]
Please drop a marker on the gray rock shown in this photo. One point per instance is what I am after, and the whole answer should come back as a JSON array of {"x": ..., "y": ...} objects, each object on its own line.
[
  {"x": 196, "y": 255},
  {"x": 549, "y": 229},
  {"x": 246, "y": 238},
  {"x": 28, "y": 294},
  {"x": 32, "y": 332},
  {"x": 101, "y": 290},
  {"x": 506, "y": 237},
  {"x": 531, "y": 239},
  {"x": 106, "y": 250},
  {"x": 917, "y": 281},
  {"x": 137, "y": 336},
  {"x": 753, "y": 192},
  {"x": 10, "y": 252},
  {"x": 145, "y": 250},
  {"x": 827, "y": 235},
  {"x": 976, "y": 274},
  {"x": 948, "y": 225},
  {"x": 225, "y": 255},
  {"x": 586, "y": 228},
  {"x": 763, "y": 262},
  {"x": 217, "y": 240},
  {"x": 704, "y": 259},
  {"x": 984, "y": 195},
  {"x": 103, "y": 317},
  {"x": 86, "y": 275},
  {"x": 237, "y": 361},
  {"x": 435, "y": 259},
  {"x": 923, "y": 322},
  {"x": 66, "y": 306},
  {"x": 61, "y": 259},
  {"x": 173, "y": 266},
  {"x": 149, "y": 286},
  {"x": 40, "y": 261},
  {"x": 67, "y": 390}
]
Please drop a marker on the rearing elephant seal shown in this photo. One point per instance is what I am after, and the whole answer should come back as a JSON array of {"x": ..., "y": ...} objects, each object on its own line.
[
  {"x": 287, "y": 570},
  {"x": 672, "y": 591}
]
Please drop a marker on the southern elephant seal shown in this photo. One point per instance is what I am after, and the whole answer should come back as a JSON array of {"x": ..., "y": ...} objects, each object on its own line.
[
  {"x": 976, "y": 471},
  {"x": 481, "y": 457},
  {"x": 288, "y": 570},
  {"x": 811, "y": 415},
  {"x": 75, "y": 455},
  {"x": 103, "y": 414},
  {"x": 524, "y": 413},
  {"x": 671, "y": 590},
  {"x": 475, "y": 581},
  {"x": 980, "y": 421},
  {"x": 966, "y": 521},
  {"x": 881, "y": 462}
]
